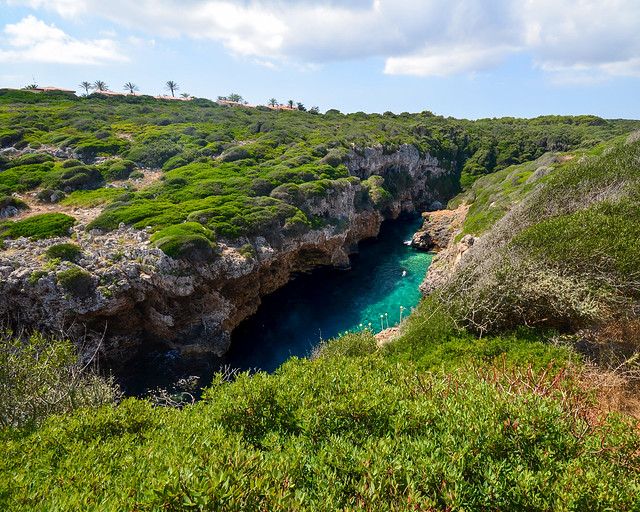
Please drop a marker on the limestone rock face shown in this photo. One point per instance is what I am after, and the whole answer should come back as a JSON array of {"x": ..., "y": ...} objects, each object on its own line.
[
  {"x": 405, "y": 167},
  {"x": 439, "y": 229},
  {"x": 444, "y": 264},
  {"x": 140, "y": 299}
]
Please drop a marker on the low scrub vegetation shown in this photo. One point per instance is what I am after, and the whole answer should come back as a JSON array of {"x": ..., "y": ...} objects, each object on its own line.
[
  {"x": 565, "y": 257},
  {"x": 355, "y": 428},
  {"x": 76, "y": 281},
  {"x": 43, "y": 376},
  {"x": 64, "y": 252},
  {"x": 189, "y": 241},
  {"x": 46, "y": 225}
]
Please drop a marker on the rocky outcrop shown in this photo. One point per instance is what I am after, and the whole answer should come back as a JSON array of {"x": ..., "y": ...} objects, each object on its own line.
[
  {"x": 413, "y": 176},
  {"x": 133, "y": 297},
  {"x": 439, "y": 232},
  {"x": 439, "y": 229}
]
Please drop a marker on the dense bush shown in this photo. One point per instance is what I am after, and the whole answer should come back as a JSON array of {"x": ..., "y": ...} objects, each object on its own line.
[
  {"x": 41, "y": 377},
  {"x": 189, "y": 241},
  {"x": 77, "y": 281},
  {"x": 344, "y": 431},
  {"x": 73, "y": 178},
  {"x": 46, "y": 225},
  {"x": 64, "y": 252},
  {"x": 117, "y": 169}
]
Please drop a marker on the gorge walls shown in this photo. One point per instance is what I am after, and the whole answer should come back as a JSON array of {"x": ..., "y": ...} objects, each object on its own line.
[{"x": 123, "y": 296}]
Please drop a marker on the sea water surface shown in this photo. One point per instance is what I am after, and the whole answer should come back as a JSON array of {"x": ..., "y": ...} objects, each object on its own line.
[{"x": 327, "y": 302}]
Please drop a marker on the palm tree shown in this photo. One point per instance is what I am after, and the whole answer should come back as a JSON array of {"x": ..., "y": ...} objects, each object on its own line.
[
  {"x": 186, "y": 95},
  {"x": 86, "y": 86},
  {"x": 290, "y": 103},
  {"x": 29, "y": 87},
  {"x": 235, "y": 97},
  {"x": 131, "y": 87},
  {"x": 273, "y": 102},
  {"x": 100, "y": 86},
  {"x": 172, "y": 86}
]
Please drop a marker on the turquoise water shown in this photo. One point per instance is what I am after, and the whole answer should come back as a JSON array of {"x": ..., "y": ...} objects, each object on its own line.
[{"x": 293, "y": 320}]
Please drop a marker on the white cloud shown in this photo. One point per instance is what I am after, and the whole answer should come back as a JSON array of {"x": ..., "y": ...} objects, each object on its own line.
[
  {"x": 419, "y": 37},
  {"x": 32, "y": 40},
  {"x": 447, "y": 61}
]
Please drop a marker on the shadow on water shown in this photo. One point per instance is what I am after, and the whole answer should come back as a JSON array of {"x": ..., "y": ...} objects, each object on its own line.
[{"x": 315, "y": 306}]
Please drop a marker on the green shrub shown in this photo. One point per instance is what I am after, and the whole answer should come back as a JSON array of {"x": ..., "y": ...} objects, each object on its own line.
[
  {"x": 46, "y": 225},
  {"x": 35, "y": 276},
  {"x": 41, "y": 377},
  {"x": 74, "y": 178},
  {"x": 188, "y": 241},
  {"x": 48, "y": 195},
  {"x": 77, "y": 281},
  {"x": 136, "y": 175},
  {"x": 71, "y": 162},
  {"x": 153, "y": 155},
  {"x": 118, "y": 169},
  {"x": 64, "y": 252},
  {"x": 6, "y": 201}
]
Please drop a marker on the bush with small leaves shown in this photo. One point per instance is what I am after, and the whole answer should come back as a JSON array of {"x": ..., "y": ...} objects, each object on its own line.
[
  {"x": 46, "y": 225},
  {"x": 76, "y": 281},
  {"x": 64, "y": 252}
]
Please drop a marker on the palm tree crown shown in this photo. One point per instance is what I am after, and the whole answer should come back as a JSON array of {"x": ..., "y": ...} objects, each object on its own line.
[
  {"x": 86, "y": 86},
  {"x": 131, "y": 87},
  {"x": 100, "y": 86},
  {"x": 172, "y": 86}
]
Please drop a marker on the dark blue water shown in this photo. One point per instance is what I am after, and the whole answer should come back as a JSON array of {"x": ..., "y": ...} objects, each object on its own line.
[{"x": 293, "y": 320}]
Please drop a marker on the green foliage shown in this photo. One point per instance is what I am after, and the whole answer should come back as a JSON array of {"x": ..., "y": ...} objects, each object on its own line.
[
  {"x": 91, "y": 198},
  {"x": 338, "y": 433},
  {"x": 46, "y": 225},
  {"x": 41, "y": 377},
  {"x": 6, "y": 201},
  {"x": 189, "y": 241},
  {"x": 154, "y": 154},
  {"x": 64, "y": 252},
  {"x": 564, "y": 257},
  {"x": 117, "y": 169},
  {"x": 77, "y": 281},
  {"x": 73, "y": 178}
]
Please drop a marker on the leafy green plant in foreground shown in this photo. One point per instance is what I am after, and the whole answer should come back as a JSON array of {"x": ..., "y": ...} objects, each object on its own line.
[
  {"x": 41, "y": 376},
  {"x": 339, "y": 433}
]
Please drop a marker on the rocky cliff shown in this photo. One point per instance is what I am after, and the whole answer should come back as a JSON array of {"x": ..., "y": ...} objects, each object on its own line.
[
  {"x": 124, "y": 296},
  {"x": 439, "y": 232}
]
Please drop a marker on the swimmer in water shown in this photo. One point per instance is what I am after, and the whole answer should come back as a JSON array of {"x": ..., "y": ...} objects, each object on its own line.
[{"x": 404, "y": 273}]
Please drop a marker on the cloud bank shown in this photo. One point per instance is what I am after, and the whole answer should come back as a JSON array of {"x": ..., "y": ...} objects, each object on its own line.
[
  {"x": 32, "y": 40},
  {"x": 414, "y": 37}
]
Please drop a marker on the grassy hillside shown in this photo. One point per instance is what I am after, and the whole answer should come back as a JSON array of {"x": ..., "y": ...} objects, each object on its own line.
[
  {"x": 243, "y": 171},
  {"x": 481, "y": 404},
  {"x": 565, "y": 255}
]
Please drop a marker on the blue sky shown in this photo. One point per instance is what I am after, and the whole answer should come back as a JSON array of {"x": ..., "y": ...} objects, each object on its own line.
[{"x": 460, "y": 58}]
